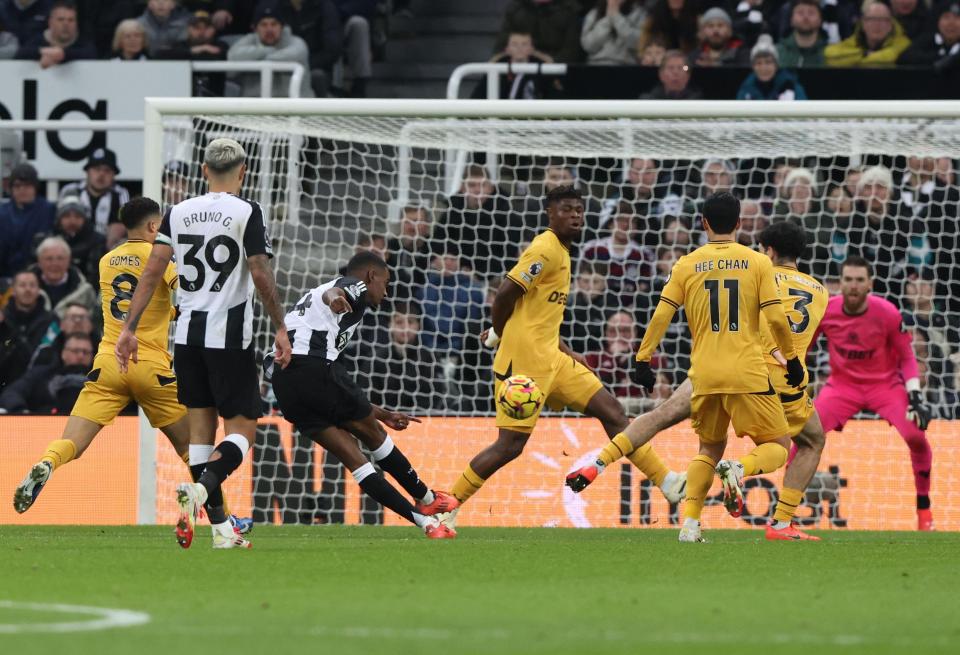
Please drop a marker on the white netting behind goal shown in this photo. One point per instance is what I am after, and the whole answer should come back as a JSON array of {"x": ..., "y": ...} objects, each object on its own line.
[{"x": 451, "y": 202}]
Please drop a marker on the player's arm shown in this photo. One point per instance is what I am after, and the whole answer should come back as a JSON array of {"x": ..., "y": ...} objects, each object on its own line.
[
  {"x": 900, "y": 341},
  {"x": 671, "y": 298},
  {"x": 336, "y": 299},
  {"x": 393, "y": 420},
  {"x": 525, "y": 275},
  {"x": 257, "y": 248},
  {"x": 153, "y": 272},
  {"x": 773, "y": 312}
]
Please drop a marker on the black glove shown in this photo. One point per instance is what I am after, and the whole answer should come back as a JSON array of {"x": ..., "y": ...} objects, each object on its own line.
[
  {"x": 919, "y": 413},
  {"x": 794, "y": 372},
  {"x": 643, "y": 376}
]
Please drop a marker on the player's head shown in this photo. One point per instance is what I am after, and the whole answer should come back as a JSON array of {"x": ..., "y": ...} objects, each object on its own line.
[
  {"x": 783, "y": 242},
  {"x": 565, "y": 211},
  {"x": 721, "y": 213},
  {"x": 369, "y": 267},
  {"x": 856, "y": 281},
  {"x": 224, "y": 165},
  {"x": 141, "y": 217}
]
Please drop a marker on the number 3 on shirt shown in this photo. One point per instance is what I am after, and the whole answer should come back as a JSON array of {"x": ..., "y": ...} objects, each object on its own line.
[
  {"x": 733, "y": 310},
  {"x": 195, "y": 242}
]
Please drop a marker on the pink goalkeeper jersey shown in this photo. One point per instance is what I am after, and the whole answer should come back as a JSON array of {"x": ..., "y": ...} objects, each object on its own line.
[{"x": 870, "y": 348}]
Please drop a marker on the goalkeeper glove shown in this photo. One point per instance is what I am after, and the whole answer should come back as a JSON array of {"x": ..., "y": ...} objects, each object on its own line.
[
  {"x": 643, "y": 375},
  {"x": 918, "y": 412},
  {"x": 794, "y": 372}
]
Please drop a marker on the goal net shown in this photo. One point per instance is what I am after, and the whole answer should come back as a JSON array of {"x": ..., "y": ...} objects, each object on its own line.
[{"x": 451, "y": 193}]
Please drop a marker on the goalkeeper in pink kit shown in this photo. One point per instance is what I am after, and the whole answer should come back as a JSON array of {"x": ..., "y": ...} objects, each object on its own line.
[{"x": 872, "y": 367}]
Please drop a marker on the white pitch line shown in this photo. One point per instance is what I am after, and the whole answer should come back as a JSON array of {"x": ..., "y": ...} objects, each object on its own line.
[{"x": 105, "y": 618}]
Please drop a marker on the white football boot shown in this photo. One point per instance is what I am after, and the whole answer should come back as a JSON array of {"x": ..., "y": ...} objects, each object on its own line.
[{"x": 674, "y": 487}]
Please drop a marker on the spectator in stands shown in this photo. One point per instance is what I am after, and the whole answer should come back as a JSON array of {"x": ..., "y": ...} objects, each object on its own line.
[
  {"x": 674, "y": 77},
  {"x": 629, "y": 264},
  {"x": 202, "y": 44},
  {"x": 62, "y": 282},
  {"x": 644, "y": 187},
  {"x": 716, "y": 175},
  {"x": 752, "y": 223},
  {"x": 271, "y": 40},
  {"x": 357, "y": 16},
  {"x": 751, "y": 18},
  {"x": 768, "y": 81},
  {"x": 25, "y": 19},
  {"x": 878, "y": 40},
  {"x": 667, "y": 256},
  {"x": 87, "y": 245},
  {"x": 51, "y": 389},
  {"x": 803, "y": 47},
  {"x": 165, "y": 22},
  {"x": 77, "y": 319},
  {"x": 912, "y": 15},
  {"x": 718, "y": 46},
  {"x": 518, "y": 86},
  {"x": 9, "y": 44},
  {"x": 588, "y": 304},
  {"x": 26, "y": 323},
  {"x": 317, "y": 22},
  {"x": 25, "y": 216},
  {"x": 480, "y": 221},
  {"x": 672, "y": 23},
  {"x": 403, "y": 374},
  {"x": 614, "y": 363},
  {"x": 652, "y": 54},
  {"x": 940, "y": 47},
  {"x": 176, "y": 182},
  {"x": 676, "y": 232},
  {"x": 408, "y": 253},
  {"x": 925, "y": 313},
  {"x": 610, "y": 32},
  {"x": 60, "y": 42},
  {"x": 452, "y": 304},
  {"x": 102, "y": 196},
  {"x": 554, "y": 24},
  {"x": 130, "y": 41}
]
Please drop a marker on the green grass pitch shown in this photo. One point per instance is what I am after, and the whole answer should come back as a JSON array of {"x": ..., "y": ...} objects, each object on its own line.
[{"x": 388, "y": 590}]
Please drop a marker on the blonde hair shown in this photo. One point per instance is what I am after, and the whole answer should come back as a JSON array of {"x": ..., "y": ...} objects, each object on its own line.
[
  {"x": 875, "y": 175},
  {"x": 129, "y": 25},
  {"x": 223, "y": 155}
]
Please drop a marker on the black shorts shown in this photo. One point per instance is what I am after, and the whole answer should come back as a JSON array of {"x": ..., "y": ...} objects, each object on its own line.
[
  {"x": 227, "y": 379},
  {"x": 315, "y": 394}
]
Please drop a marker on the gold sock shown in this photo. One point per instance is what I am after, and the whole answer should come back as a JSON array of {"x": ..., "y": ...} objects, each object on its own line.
[
  {"x": 468, "y": 484},
  {"x": 699, "y": 480},
  {"x": 787, "y": 504},
  {"x": 618, "y": 447},
  {"x": 648, "y": 461},
  {"x": 59, "y": 452},
  {"x": 765, "y": 458}
]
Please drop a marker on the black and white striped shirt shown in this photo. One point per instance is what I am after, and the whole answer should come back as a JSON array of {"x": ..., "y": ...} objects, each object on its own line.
[
  {"x": 315, "y": 330},
  {"x": 212, "y": 235},
  {"x": 104, "y": 209}
]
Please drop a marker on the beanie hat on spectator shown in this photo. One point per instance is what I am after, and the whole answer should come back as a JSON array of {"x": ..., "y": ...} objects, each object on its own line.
[
  {"x": 71, "y": 204},
  {"x": 798, "y": 174},
  {"x": 24, "y": 173},
  {"x": 102, "y": 156},
  {"x": 268, "y": 9},
  {"x": 875, "y": 175},
  {"x": 765, "y": 48},
  {"x": 811, "y": 3},
  {"x": 199, "y": 17},
  {"x": 716, "y": 13},
  {"x": 949, "y": 7}
]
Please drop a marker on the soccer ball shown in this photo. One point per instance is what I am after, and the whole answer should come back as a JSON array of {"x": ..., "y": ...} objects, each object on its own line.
[{"x": 519, "y": 397}]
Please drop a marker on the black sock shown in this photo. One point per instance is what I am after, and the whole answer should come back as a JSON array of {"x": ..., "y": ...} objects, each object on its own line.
[
  {"x": 923, "y": 502},
  {"x": 398, "y": 466},
  {"x": 196, "y": 470},
  {"x": 377, "y": 487},
  {"x": 216, "y": 471}
]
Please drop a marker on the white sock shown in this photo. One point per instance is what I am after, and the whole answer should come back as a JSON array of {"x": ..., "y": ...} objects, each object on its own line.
[
  {"x": 691, "y": 524},
  {"x": 600, "y": 466},
  {"x": 240, "y": 442},
  {"x": 225, "y": 528},
  {"x": 363, "y": 472},
  {"x": 200, "y": 453},
  {"x": 385, "y": 449},
  {"x": 428, "y": 498},
  {"x": 423, "y": 521},
  {"x": 780, "y": 525}
]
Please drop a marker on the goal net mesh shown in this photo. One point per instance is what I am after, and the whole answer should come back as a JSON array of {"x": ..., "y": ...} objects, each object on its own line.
[{"x": 451, "y": 202}]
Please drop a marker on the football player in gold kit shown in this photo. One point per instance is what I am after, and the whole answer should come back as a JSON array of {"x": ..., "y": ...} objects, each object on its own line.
[
  {"x": 805, "y": 301},
  {"x": 151, "y": 382},
  {"x": 527, "y": 313}
]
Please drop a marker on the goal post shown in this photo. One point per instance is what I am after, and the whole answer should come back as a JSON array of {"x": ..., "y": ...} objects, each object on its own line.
[{"x": 450, "y": 191}]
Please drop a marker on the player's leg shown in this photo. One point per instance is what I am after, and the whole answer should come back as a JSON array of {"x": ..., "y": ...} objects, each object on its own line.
[
  {"x": 836, "y": 403},
  {"x": 709, "y": 420},
  {"x": 809, "y": 442},
  {"x": 891, "y": 404},
  {"x": 639, "y": 432},
  {"x": 507, "y": 447},
  {"x": 341, "y": 444},
  {"x": 103, "y": 397}
]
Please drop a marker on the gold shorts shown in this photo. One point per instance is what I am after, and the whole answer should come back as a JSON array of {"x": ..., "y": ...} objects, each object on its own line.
[
  {"x": 151, "y": 385},
  {"x": 566, "y": 383},
  {"x": 757, "y": 415},
  {"x": 797, "y": 404}
]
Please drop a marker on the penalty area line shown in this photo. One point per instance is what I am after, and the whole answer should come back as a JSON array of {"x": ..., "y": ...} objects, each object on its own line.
[{"x": 101, "y": 618}]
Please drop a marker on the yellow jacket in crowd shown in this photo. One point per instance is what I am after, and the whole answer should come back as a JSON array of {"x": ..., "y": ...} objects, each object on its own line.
[{"x": 852, "y": 51}]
